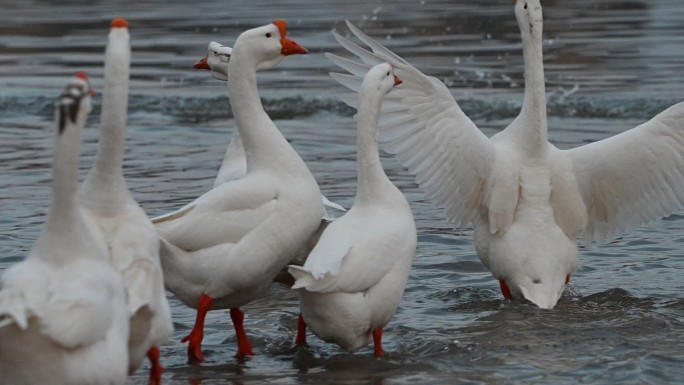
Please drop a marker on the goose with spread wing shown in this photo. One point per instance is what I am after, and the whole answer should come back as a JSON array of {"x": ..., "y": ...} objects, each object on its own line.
[{"x": 528, "y": 200}]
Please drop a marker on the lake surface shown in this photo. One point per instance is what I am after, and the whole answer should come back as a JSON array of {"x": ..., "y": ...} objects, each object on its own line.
[{"x": 610, "y": 65}]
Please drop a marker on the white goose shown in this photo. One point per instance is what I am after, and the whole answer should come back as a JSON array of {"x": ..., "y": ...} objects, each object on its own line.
[
  {"x": 223, "y": 249},
  {"x": 109, "y": 207},
  {"x": 528, "y": 200},
  {"x": 63, "y": 317},
  {"x": 216, "y": 60},
  {"x": 234, "y": 164},
  {"x": 353, "y": 280}
]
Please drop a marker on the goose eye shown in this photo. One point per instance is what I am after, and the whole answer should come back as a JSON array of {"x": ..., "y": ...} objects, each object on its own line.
[
  {"x": 388, "y": 73},
  {"x": 268, "y": 34}
]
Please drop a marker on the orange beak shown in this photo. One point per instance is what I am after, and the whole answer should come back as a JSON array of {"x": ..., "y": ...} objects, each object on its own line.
[
  {"x": 202, "y": 64},
  {"x": 397, "y": 81},
  {"x": 290, "y": 47}
]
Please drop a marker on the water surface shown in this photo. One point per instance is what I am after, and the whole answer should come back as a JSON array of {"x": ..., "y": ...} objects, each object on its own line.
[{"x": 609, "y": 66}]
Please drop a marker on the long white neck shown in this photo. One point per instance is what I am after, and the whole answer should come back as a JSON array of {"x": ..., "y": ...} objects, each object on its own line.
[
  {"x": 265, "y": 147},
  {"x": 531, "y": 124},
  {"x": 373, "y": 182},
  {"x": 64, "y": 233},
  {"x": 106, "y": 177},
  {"x": 64, "y": 178}
]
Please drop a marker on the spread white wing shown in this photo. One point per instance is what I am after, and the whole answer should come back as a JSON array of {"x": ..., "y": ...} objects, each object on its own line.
[
  {"x": 424, "y": 127},
  {"x": 632, "y": 178}
]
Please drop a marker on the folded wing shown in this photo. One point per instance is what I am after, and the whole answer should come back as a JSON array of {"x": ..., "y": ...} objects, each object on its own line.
[
  {"x": 351, "y": 257},
  {"x": 222, "y": 215}
]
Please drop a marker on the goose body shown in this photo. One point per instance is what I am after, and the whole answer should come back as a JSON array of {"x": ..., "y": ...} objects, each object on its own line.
[
  {"x": 528, "y": 201},
  {"x": 353, "y": 280},
  {"x": 116, "y": 217},
  {"x": 224, "y": 248},
  {"x": 63, "y": 316}
]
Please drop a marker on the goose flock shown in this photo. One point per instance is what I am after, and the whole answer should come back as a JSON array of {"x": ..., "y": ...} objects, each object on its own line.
[{"x": 88, "y": 304}]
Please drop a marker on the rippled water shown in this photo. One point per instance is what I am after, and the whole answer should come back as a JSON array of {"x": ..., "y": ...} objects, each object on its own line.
[{"x": 610, "y": 64}]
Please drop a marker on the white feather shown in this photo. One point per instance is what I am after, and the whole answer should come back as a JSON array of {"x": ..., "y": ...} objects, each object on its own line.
[
  {"x": 111, "y": 212},
  {"x": 632, "y": 178},
  {"x": 63, "y": 316},
  {"x": 527, "y": 200},
  {"x": 353, "y": 279}
]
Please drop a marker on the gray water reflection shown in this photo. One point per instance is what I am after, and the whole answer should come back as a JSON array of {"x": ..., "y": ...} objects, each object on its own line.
[{"x": 610, "y": 65}]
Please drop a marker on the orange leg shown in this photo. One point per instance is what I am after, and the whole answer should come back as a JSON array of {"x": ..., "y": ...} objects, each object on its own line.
[
  {"x": 244, "y": 346},
  {"x": 156, "y": 369},
  {"x": 197, "y": 334},
  {"x": 567, "y": 279},
  {"x": 301, "y": 331},
  {"x": 505, "y": 290},
  {"x": 377, "y": 343}
]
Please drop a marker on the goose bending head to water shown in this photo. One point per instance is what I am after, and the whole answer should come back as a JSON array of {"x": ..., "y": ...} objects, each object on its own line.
[
  {"x": 63, "y": 316},
  {"x": 353, "y": 280},
  {"x": 527, "y": 200},
  {"x": 223, "y": 249}
]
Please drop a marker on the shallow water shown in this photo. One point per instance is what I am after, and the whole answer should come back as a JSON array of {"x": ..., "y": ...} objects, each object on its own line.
[{"x": 610, "y": 65}]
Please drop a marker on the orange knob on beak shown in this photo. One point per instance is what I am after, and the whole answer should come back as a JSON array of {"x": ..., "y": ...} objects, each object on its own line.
[{"x": 290, "y": 47}]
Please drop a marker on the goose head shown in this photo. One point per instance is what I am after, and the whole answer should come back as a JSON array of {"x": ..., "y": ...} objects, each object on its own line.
[
  {"x": 268, "y": 45},
  {"x": 543, "y": 292},
  {"x": 380, "y": 79},
  {"x": 75, "y": 103},
  {"x": 216, "y": 60},
  {"x": 529, "y": 16}
]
